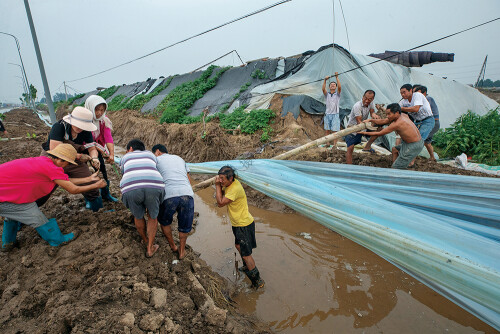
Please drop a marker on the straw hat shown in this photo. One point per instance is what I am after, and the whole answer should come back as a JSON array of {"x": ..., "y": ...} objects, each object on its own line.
[
  {"x": 81, "y": 118},
  {"x": 64, "y": 151}
]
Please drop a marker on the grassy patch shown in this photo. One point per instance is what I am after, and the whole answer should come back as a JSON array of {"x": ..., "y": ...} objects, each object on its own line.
[
  {"x": 79, "y": 96},
  {"x": 139, "y": 101},
  {"x": 117, "y": 103},
  {"x": 259, "y": 74},
  {"x": 176, "y": 104},
  {"x": 108, "y": 92},
  {"x": 250, "y": 122}
]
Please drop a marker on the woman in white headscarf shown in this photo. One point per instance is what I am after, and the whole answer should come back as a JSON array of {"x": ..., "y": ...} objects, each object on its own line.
[{"x": 102, "y": 136}]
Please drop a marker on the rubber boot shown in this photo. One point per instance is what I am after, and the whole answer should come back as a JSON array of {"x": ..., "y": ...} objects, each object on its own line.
[
  {"x": 10, "y": 228},
  {"x": 243, "y": 268},
  {"x": 254, "y": 276},
  {"x": 96, "y": 204},
  {"x": 51, "y": 233},
  {"x": 106, "y": 195}
]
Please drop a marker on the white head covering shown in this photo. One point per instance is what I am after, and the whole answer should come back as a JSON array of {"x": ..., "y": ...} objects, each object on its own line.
[{"x": 91, "y": 103}]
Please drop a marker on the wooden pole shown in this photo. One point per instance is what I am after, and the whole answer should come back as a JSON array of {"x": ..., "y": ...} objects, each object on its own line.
[{"x": 305, "y": 147}]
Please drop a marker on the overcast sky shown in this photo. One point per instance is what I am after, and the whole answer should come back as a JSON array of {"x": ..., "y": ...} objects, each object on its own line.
[{"x": 79, "y": 38}]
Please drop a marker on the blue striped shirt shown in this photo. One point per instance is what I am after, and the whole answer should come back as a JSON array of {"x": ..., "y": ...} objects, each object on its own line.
[{"x": 139, "y": 171}]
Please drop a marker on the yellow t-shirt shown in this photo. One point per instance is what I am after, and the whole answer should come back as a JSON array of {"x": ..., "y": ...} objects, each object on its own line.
[{"x": 238, "y": 208}]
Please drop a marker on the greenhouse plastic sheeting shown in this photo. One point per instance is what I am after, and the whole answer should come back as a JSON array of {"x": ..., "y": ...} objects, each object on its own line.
[
  {"x": 441, "y": 229},
  {"x": 453, "y": 98}
]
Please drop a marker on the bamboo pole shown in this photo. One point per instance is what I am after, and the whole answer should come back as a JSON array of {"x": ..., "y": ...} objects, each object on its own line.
[{"x": 305, "y": 147}]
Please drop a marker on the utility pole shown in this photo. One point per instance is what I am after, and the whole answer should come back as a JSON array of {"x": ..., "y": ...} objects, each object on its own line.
[
  {"x": 22, "y": 66},
  {"x": 482, "y": 72},
  {"x": 65, "y": 91},
  {"x": 48, "y": 97}
]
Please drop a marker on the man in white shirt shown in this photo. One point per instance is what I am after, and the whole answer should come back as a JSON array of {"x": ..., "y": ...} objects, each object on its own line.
[
  {"x": 178, "y": 197},
  {"x": 418, "y": 108},
  {"x": 360, "y": 112},
  {"x": 331, "y": 119}
]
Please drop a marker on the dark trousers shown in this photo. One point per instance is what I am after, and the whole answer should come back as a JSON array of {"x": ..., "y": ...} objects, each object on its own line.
[
  {"x": 103, "y": 167},
  {"x": 74, "y": 171}
]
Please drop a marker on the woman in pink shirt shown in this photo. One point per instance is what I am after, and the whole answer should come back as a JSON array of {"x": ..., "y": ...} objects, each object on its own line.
[
  {"x": 24, "y": 181},
  {"x": 102, "y": 136}
]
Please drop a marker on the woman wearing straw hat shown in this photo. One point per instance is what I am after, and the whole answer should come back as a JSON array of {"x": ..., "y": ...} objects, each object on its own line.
[
  {"x": 24, "y": 181},
  {"x": 76, "y": 129},
  {"x": 102, "y": 136}
]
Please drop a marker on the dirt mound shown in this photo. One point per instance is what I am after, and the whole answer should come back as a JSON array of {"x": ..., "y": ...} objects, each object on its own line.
[
  {"x": 20, "y": 122},
  {"x": 189, "y": 141}
]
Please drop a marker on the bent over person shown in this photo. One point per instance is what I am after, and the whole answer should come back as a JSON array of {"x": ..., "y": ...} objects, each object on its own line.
[
  {"x": 24, "y": 181},
  {"x": 178, "y": 197},
  {"x": 103, "y": 139},
  {"x": 230, "y": 192},
  {"x": 142, "y": 190},
  {"x": 411, "y": 140},
  {"x": 75, "y": 129}
]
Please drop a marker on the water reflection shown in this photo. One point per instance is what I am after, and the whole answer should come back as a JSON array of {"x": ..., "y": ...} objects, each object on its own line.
[{"x": 323, "y": 283}]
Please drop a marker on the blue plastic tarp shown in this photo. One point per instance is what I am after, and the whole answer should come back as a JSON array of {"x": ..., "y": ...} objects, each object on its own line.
[{"x": 441, "y": 229}]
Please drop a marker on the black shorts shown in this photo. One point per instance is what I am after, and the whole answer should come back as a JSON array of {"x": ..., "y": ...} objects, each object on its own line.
[{"x": 245, "y": 237}]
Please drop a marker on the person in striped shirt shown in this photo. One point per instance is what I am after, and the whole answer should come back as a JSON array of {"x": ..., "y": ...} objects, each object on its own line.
[{"x": 142, "y": 189}]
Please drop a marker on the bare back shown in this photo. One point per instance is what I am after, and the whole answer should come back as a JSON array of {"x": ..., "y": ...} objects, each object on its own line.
[{"x": 406, "y": 129}]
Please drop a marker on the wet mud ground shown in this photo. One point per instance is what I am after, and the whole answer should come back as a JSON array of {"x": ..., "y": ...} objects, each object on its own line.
[{"x": 319, "y": 285}]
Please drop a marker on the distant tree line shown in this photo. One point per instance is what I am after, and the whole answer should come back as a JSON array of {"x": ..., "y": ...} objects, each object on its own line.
[{"x": 488, "y": 83}]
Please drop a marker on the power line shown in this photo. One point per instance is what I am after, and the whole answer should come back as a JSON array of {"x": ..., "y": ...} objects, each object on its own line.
[
  {"x": 186, "y": 39},
  {"x": 345, "y": 24},
  {"x": 213, "y": 61}
]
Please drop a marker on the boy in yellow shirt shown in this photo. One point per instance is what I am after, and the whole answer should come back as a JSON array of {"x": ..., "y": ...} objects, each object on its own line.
[{"x": 230, "y": 192}]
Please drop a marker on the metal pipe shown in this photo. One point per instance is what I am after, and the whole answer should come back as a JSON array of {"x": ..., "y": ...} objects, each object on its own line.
[{"x": 48, "y": 97}]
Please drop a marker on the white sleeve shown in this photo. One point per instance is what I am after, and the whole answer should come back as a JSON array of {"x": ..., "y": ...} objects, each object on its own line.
[{"x": 417, "y": 99}]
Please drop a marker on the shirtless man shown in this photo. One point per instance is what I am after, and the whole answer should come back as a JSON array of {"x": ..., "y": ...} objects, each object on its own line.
[{"x": 411, "y": 140}]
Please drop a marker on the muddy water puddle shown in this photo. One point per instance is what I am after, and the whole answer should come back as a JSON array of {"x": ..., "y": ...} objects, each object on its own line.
[{"x": 320, "y": 282}]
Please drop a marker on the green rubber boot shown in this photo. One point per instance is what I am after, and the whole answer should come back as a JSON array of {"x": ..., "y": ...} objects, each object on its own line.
[
  {"x": 10, "y": 228},
  {"x": 51, "y": 233}
]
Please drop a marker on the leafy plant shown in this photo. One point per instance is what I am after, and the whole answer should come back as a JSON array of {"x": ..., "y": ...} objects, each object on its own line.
[
  {"x": 259, "y": 74},
  {"x": 108, "y": 92},
  {"x": 139, "y": 101},
  {"x": 79, "y": 96},
  {"x": 477, "y": 136},
  {"x": 248, "y": 122},
  {"x": 245, "y": 87},
  {"x": 224, "y": 107},
  {"x": 117, "y": 103},
  {"x": 176, "y": 104}
]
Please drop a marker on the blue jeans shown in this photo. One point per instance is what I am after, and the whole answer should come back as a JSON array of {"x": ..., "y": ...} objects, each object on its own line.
[
  {"x": 425, "y": 127},
  {"x": 332, "y": 122}
]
